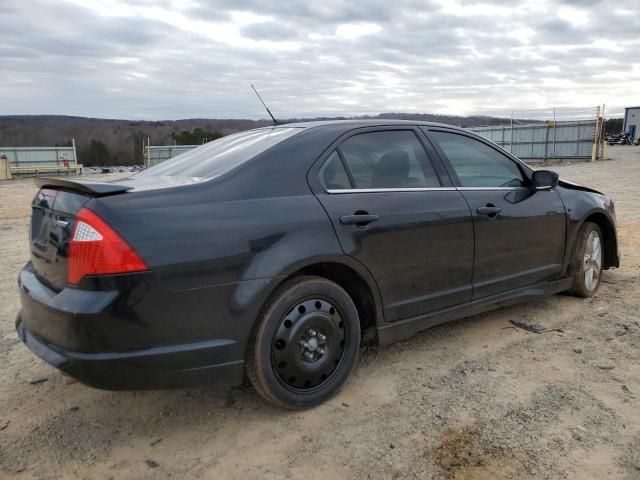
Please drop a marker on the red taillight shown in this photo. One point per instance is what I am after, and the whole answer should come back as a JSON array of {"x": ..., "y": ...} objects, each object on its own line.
[{"x": 96, "y": 249}]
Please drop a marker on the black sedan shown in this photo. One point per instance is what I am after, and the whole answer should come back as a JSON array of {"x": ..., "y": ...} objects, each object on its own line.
[{"x": 268, "y": 253}]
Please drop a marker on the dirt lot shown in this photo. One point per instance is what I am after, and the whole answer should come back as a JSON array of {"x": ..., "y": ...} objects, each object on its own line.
[{"x": 470, "y": 400}]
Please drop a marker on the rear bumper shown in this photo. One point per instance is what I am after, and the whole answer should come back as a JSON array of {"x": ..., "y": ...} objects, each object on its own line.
[
  {"x": 135, "y": 336},
  {"x": 176, "y": 366}
]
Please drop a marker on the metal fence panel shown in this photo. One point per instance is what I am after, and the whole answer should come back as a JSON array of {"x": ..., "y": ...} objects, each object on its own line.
[
  {"x": 543, "y": 141},
  {"x": 532, "y": 142},
  {"x": 41, "y": 160},
  {"x": 159, "y": 153},
  {"x": 40, "y": 156}
]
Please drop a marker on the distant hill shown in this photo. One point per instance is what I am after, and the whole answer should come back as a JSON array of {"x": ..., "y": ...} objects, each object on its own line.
[{"x": 120, "y": 142}]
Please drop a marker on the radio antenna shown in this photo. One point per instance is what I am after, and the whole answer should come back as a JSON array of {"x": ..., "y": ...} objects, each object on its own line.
[{"x": 275, "y": 122}]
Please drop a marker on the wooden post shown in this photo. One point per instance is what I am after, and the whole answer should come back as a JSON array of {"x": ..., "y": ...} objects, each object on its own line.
[
  {"x": 533, "y": 138},
  {"x": 75, "y": 154},
  {"x": 601, "y": 139},
  {"x": 511, "y": 143},
  {"x": 596, "y": 135},
  {"x": 5, "y": 169},
  {"x": 554, "y": 132},
  {"x": 147, "y": 157},
  {"x": 546, "y": 143}
]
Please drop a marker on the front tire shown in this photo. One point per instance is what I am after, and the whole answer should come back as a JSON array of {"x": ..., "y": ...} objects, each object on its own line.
[
  {"x": 586, "y": 266},
  {"x": 305, "y": 344}
]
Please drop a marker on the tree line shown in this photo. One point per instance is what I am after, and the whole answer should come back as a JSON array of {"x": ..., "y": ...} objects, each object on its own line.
[
  {"x": 97, "y": 153},
  {"x": 112, "y": 142},
  {"x": 121, "y": 142}
]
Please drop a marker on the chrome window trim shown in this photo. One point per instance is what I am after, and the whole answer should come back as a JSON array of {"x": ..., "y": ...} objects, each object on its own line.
[
  {"x": 462, "y": 189},
  {"x": 380, "y": 190},
  {"x": 425, "y": 189}
]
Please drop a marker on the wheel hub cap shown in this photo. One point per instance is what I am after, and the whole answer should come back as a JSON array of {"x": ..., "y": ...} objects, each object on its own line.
[{"x": 592, "y": 261}]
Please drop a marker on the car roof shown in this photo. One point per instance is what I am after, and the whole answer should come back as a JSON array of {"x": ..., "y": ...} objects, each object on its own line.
[{"x": 360, "y": 123}]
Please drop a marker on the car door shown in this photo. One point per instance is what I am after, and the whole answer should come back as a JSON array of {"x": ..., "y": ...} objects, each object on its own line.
[
  {"x": 402, "y": 220},
  {"x": 519, "y": 232}
]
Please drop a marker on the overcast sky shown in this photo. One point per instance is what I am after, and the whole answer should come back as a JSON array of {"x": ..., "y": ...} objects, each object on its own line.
[{"x": 167, "y": 59}]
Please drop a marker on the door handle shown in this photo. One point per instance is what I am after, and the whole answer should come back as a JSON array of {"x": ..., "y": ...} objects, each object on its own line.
[
  {"x": 489, "y": 210},
  {"x": 359, "y": 219}
]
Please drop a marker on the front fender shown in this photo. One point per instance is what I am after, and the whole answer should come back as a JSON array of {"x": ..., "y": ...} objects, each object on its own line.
[{"x": 582, "y": 206}]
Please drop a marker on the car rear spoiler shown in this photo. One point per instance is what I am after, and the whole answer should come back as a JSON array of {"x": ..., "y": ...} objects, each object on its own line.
[{"x": 88, "y": 187}]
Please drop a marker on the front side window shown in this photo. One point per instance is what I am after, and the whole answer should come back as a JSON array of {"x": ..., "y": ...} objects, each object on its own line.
[
  {"x": 388, "y": 159},
  {"x": 477, "y": 164}
]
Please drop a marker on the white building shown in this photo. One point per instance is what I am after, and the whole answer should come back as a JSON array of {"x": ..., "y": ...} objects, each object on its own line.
[{"x": 632, "y": 122}]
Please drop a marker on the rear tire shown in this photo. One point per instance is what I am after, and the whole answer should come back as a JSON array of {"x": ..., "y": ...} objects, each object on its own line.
[
  {"x": 586, "y": 266},
  {"x": 305, "y": 344}
]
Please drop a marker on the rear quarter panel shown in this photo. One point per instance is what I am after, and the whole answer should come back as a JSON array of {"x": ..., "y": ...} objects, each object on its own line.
[
  {"x": 195, "y": 242},
  {"x": 216, "y": 262}
]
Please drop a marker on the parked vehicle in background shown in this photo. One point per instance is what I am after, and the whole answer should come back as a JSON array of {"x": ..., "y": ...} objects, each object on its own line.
[
  {"x": 123, "y": 169},
  {"x": 269, "y": 252},
  {"x": 622, "y": 138}
]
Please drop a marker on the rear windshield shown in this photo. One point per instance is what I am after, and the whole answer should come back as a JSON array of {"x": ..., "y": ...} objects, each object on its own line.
[{"x": 216, "y": 158}]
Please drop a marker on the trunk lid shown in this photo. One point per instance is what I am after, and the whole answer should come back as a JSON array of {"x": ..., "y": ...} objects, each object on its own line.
[{"x": 53, "y": 213}]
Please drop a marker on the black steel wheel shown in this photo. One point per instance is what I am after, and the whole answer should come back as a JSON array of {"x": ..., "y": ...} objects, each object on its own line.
[
  {"x": 306, "y": 343},
  {"x": 309, "y": 344}
]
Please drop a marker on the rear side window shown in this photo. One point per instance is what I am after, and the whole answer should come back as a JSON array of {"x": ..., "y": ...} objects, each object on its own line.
[
  {"x": 333, "y": 176},
  {"x": 477, "y": 164},
  {"x": 216, "y": 158},
  {"x": 388, "y": 159}
]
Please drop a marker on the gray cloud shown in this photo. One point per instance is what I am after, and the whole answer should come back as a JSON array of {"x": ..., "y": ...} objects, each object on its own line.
[
  {"x": 156, "y": 60},
  {"x": 582, "y": 3},
  {"x": 275, "y": 31},
  {"x": 324, "y": 12}
]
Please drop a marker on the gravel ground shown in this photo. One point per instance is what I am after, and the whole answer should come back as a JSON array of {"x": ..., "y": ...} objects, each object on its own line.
[{"x": 473, "y": 399}]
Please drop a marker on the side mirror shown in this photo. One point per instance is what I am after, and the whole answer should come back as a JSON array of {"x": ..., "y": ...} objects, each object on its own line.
[{"x": 545, "y": 179}]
